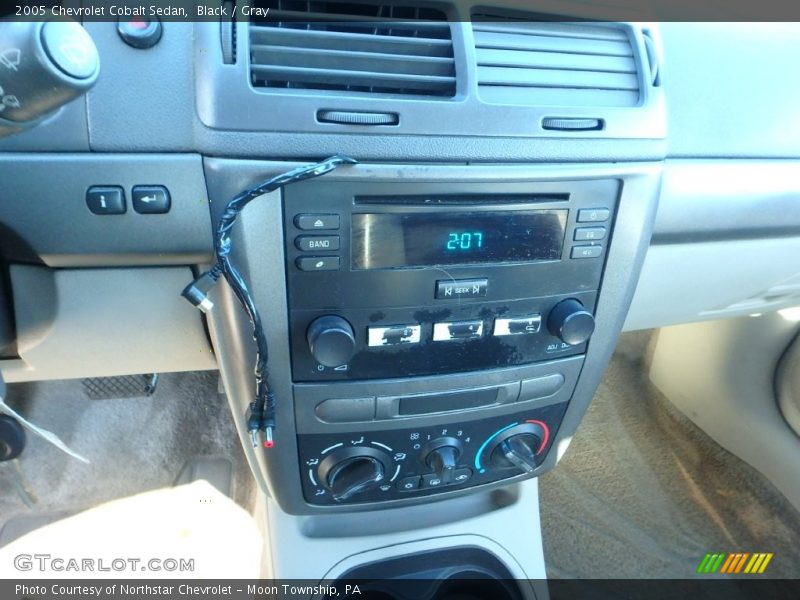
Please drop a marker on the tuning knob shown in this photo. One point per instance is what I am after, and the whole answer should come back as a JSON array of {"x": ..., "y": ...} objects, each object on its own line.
[
  {"x": 518, "y": 447},
  {"x": 352, "y": 471},
  {"x": 441, "y": 455},
  {"x": 331, "y": 340},
  {"x": 571, "y": 322},
  {"x": 43, "y": 66}
]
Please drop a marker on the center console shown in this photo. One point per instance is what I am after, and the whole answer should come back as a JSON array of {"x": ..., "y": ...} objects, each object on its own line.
[{"x": 434, "y": 331}]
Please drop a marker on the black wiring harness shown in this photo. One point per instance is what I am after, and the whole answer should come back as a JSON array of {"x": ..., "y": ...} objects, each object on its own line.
[{"x": 261, "y": 413}]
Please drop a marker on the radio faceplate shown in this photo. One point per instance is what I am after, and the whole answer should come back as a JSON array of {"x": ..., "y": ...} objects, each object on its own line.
[{"x": 485, "y": 312}]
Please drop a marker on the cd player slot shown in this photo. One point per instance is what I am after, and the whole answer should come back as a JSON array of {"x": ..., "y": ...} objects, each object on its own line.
[{"x": 461, "y": 199}]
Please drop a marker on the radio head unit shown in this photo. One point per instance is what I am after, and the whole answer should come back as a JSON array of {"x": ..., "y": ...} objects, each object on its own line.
[{"x": 464, "y": 277}]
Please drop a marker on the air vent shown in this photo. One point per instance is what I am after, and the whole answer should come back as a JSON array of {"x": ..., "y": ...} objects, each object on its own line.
[
  {"x": 352, "y": 48},
  {"x": 539, "y": 63}
]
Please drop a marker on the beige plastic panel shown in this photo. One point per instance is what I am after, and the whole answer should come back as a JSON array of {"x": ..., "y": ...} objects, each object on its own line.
[
  {"x": 682, "y": 283},
  {"x": 721, "y": 375},
  {"x": 101, "y": 322}
]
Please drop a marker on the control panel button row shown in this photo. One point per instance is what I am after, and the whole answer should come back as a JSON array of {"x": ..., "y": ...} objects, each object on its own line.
[
  {"x": 394, "y": 335},
  {"x": 458, "y": 330},
  {"x": 518, "y": 325}
]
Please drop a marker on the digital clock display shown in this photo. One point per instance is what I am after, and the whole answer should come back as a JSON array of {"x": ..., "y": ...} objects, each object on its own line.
[{"x": 396, "y": 240}]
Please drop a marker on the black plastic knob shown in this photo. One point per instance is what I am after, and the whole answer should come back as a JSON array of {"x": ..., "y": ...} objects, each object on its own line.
[
  {"x": 42, "y": 67},
  {"x": 352, "y": 471},
  {"x": 331, "y": 340},
  {"x": 571, "y": 322},
  {"x": 443, "y": 461},
  {"x": 518, "y": 447}
]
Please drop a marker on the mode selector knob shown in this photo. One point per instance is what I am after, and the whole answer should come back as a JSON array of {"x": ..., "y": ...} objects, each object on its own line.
[
  {"x": 571, "y": 322},
  {"x": 331, "y": 340},
  {"x": 352, "y": 471}
]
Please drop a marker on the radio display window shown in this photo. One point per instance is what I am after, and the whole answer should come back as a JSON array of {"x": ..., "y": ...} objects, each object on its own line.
[{"x": 397, "y": 240}]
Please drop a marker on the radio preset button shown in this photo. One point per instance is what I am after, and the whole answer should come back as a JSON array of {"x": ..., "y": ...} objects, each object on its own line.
[
  {"x": 593, "y": 215},
  {"x": 394, "y": 335},
  {"x": 589, "y": 234},
  {"x": 461, "y": 288},
  {"x": 317, "y": 243},
  {"x": 586, "y": 251},
  {"x": 316, "y": 222},
  {"x": 518, "y": 325},
  {"x": 461, "y": 330},
  {"x": 318, "y": 263}
]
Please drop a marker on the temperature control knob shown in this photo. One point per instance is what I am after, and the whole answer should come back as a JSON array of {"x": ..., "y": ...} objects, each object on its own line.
[
  {"x": 571, "y": 322},
  {"x": 43, "y": 66},
  {"x": 518, "y": 447},
  {"x": 331, "y": 340},
  {"x": 352, "y": 471}
]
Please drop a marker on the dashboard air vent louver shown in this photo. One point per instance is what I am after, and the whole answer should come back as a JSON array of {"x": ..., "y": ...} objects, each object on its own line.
[
  {"x": 539, "y": 63},
  {"x": 352, "y": 47}
]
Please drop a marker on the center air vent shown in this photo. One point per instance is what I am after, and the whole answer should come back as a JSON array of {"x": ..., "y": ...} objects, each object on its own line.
[
  {"x": 539, "y": 63},
  {"x": 352, "y": 47}
]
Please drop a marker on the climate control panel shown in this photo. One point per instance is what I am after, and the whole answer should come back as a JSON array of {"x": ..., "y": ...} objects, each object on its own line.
[{"x": 396, "y": 464}]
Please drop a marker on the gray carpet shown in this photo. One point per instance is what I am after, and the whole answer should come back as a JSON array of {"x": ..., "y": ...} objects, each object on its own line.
[
  {"x": 134, "y": 445},
  {"x": 643, "y": 493}
]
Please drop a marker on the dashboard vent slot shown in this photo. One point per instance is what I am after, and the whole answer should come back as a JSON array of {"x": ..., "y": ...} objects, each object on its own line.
[
  {"x": 352, "y": 47},
  {"x": 539, "y": 63}
]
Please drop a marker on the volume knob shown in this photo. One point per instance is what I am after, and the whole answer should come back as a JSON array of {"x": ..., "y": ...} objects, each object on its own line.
[
  {"x": 331, "y": 340},
  {"x": 571, "y": 322}
]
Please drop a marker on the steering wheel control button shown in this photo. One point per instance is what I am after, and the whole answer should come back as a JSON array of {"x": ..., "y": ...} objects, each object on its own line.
[
  {"x": 318, "y": 263},
  {"x": 151, "y": 199},
  {"x": 586, "y": 251},
  {"x": 317, "y": 222},
  {"x": 589, "y": 234},
  {"x": 140, "y": 32},
  {"x": 461, "y": 288},
  {"x": 106, "y": 200},
  {"x": 70, "y": 48},
  {"x": 317, "y": 243},
  {"x": 408, "y": 484},
  {"x": 518, "y": 325},
  {"x": 593, "y": 215},
  {"x": 394, "y": 335},
  {"x": 463, "y": 330}
]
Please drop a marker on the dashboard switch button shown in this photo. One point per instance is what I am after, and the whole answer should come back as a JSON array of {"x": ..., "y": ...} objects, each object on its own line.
[
  {"x": 106, "y": 200},
  {"x": 317, "y": 243},
  {"x": 316, "y": 222},
  {"x": 586, "y": 251},
  {"x": 589, "y": 234},
  {"x": 151, "y": 199},
  {"x": 318, "y": 263},
  {"x": 593, "y": 215}
]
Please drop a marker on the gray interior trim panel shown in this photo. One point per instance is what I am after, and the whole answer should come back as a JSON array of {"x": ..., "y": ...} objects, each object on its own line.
[{"x": 44, "y": 203}]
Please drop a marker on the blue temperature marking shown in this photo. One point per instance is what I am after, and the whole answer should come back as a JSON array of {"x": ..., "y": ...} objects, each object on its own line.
[{"x": 489, "y": 439}]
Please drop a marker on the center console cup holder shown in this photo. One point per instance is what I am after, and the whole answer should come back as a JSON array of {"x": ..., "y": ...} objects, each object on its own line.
[{"x": 460, "y": 573}]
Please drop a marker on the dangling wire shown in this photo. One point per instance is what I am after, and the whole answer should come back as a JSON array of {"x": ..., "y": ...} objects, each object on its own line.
[{"x": 261, "y": 413}]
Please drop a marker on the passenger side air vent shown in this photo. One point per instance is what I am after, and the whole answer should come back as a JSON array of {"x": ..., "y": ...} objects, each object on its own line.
[
  {"x": 539, "y": 63},
  {"x": 353, "y": 48}
]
